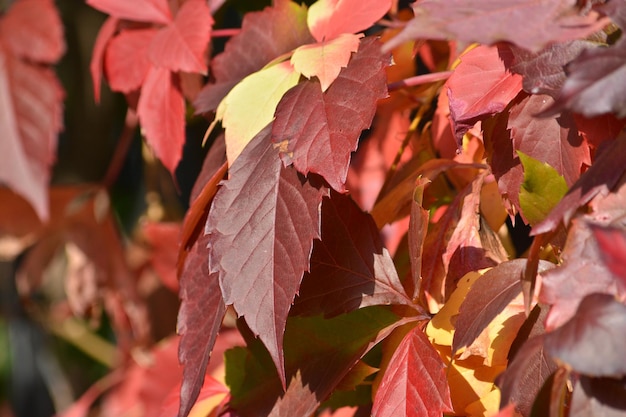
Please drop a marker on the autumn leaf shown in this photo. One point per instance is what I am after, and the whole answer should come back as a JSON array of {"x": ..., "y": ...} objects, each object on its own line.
[
  {"x": 328, "y": 19},
  {"x": 612, "y": 245},
  {"x": 271, "y": 215},
  {"x": 598, "y": 397},
  {"x": 105, "y": 34},
  {"x": 415, "y": 382},
  {"x": 126, "y": 60},
  {"x": 317, "y": 131},
  {"x": 156, "y": 11}
]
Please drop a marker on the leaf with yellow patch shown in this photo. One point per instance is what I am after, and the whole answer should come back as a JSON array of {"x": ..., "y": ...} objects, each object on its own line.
[
  {"x": 326, "y": 58},
  {"x": 250, "y": 105}
]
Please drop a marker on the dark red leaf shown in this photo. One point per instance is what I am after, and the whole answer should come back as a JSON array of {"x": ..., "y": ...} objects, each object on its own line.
[
  {"x": 164, "y": 241},
  {"x": 199, "y": 319},
  {"x": 527, "y": 23},
  {"x": 126, "y": 62},
  {"x": 212, "y": 162},
  {"x": 108, "y": 29},
  {"x": 32, "y": 30},
  {"x": 600, "y": 129},
  {"x": 156, "y": 11},
  {"x": 161, "y": 111},
  {"x": 481, "y": 86},
  {"x": 318, "y": 131},
  {"x": 612, "y": 247},
  {"x": 598, "y": 397},
  {"x": 350, "y": 268},
  {"x": 415, "y": 382},
  {"x": 270, "y": 215},
  {"x": 264, "y": 36},
  {"x": 592, "y": 341},
  {"x": 555, "y": 141},
  {"x": 488, "y": 297},
  {"x": 182, "y": 44}
]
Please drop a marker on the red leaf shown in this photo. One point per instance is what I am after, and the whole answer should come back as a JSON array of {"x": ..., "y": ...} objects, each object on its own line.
[
  {"x": 264, "y": 36},
  {"x": 350, "y": 268},
  {"x": 30, "y": 119},
  {"x": 126, "y": 60},
  {"x": 271, "y": 216},
  {"x": 108, "y": 29},
  {"x": 181, "y": 45},
  {"x": 481, "y": 86},
  {"x": 318, "y": 131},
  {"x": 156, "y": 11},
  {"x": 32, "y": 30},
  {"x": 201, "y": 312},
  {"x": 596, "y": 397},
  {"x": 530, "y": 24},
  {"x": 164, "y": 240},
  {"x": 415, "y": 382},
  {"x": 555, "y": 141},
  {"x": 592, "y": 341},
  {"x": 328, "y": 19},
  {"x": 161, "y": 111},
  {"x": 612, "y": 245}
]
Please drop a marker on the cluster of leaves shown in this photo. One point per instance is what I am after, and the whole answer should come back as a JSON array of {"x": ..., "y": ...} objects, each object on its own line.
[{"x": 380, "y": 282}]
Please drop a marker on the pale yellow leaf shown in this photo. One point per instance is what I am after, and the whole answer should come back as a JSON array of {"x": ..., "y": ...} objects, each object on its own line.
[
  {"x": 325, "y": 59},
  {"x": 250, "y": 105}
]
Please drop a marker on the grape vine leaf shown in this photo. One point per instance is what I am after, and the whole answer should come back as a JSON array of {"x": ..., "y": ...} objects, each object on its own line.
[
  {"x": 271, "y": 215},
  {"x": 612, "y": 245},
  {"x": 327, "y": 19},
  {"x": 199, "y": 320},
  {"x": 595, "y": 397},
  {"x": 126, "y": 61},
  {"x": 350, "y": 267},
  {"x": 592, "y": 341},
  {"x": 31, "y": 98},
  {"x": 317, "y": 131},
  {"x": 481, "y": 86},
  {"x": 415, "y": 382},
  {"x": 529, "y": 24},
  {"x": 157, "y": 11},
  {"x": 264, "y": 36}
]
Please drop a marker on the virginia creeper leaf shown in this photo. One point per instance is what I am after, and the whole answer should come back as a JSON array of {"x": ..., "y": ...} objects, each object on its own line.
[
  {"x": 415, "y": 381},
  {"x": 327, "y": 19},
  {"x": 31, "y": 117},
  {"x": 541, "y": 190},
  {"x": 32, "y": 30},
  {"x": 105, "y": 34},
  {"x": 271, "y": 216},
  {"x": 350, "y": 267},
  {"x": 201, "y": 312},
  {"x": 595, "y": 397},
  {"x": 181, "y": 45},
  {"x": 264, "y": 36},
  {"x": 592, "y": 341},
  {"x": 126, "y": 60},
  {"x": 488, "y": 297},
  {"x": 317, "y": 131},
  {"x": 612, "y": 245},
  {"x": 250, "y": 105},
  {"x": 326, "y": 58},
  {"x": 530, "y": 24},
  {"x": 481, "y": 86},
  {"x": 156, "y": 11},
  {"x": 161, "y": 111}
]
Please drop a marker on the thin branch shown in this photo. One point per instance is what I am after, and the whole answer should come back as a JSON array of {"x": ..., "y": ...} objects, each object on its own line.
[
  {"x": 419, "y": 80},
  {"x": 123, "y": 145},
  {"x": 225, "y": 33}
]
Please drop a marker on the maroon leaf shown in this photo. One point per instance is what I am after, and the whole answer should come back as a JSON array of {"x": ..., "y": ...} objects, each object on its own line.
[
  {"x": 156, "y": 11},
  {"x": 126, "y": 60},
  {"x": 527, "y": 23},
  {"x": 415, "y": 382},
  {"x": 612, "y": 247},
  {"x": 481, "y": 86},
  {"x": 108, "y": 29},
  {"x": 199, "y": 319},
  {"x": 271, "y": 216},
  {"x": 161, "y": 111},
  {"x": 317, "y": 131},
  {"x": 488, "y": 297},
  {"x": 350, "y": 268},
  {"x": 589, "y": 88},
  {"x": 592, "y": 342},
  {"x": 544, "y": 71},
  {"x": 32, "y": 30},
  {"x": 264, "y": 36},
  {"x": 525, "y": 376},
  {"x": 555, "y": 141},
  {"x": 596, "y": 397}
]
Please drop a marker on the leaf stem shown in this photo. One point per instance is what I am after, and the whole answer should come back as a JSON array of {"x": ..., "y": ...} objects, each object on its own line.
[
  {"x": 225, "y": 33},
  {"x": 419, "y": 80},
  {"x": 123, "y": 145}
]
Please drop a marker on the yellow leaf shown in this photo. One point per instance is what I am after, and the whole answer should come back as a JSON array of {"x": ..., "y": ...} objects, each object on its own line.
[
  {"x": 250, "y": 105},
  {"x": 326, "y": 58},
  {"x": 204, "y": 407},
  {"x": 487, "y": 406}
]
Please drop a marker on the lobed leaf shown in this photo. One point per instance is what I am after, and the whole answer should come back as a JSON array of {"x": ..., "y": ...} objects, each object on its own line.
[
  {"x": 156, "y": 11},
  {"x": 270, "y": 215},
  {"x": 328, "y": 19},
  {"x": 317, "y": 131},
  {"x": 126, "y": 62}
]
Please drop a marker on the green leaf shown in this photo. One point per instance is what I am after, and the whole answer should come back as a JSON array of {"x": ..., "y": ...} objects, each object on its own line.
[{"x": 541, "y": 190}]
